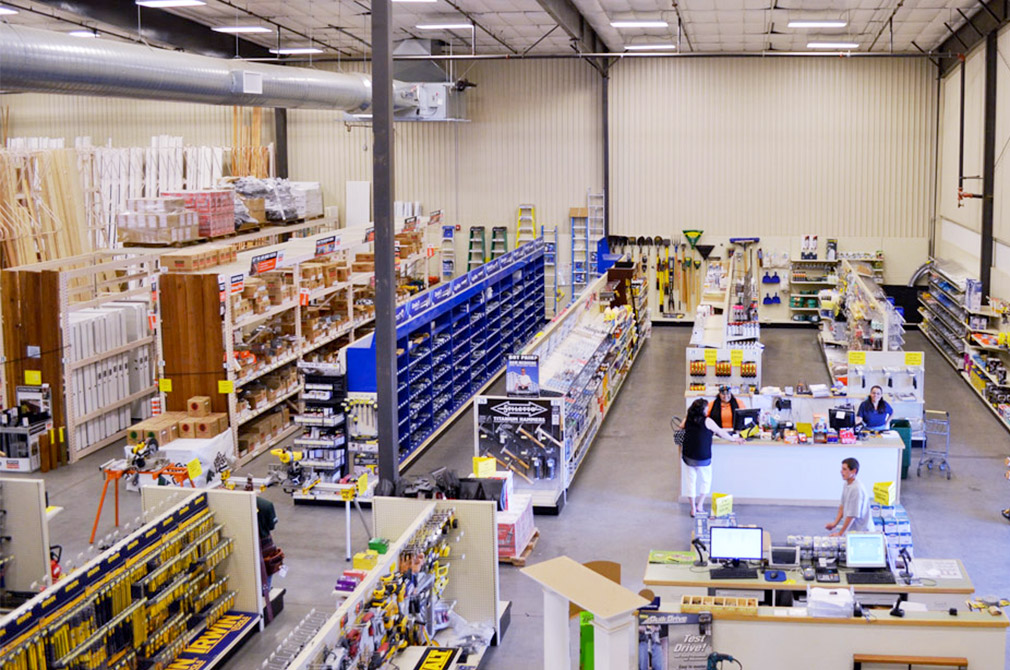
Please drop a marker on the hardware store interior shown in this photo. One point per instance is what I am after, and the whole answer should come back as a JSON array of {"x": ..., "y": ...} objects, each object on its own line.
[{"x": 515, "y": 333}]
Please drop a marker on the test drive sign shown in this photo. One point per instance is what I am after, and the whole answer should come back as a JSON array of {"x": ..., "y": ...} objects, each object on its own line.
[{"x": 437, "y": 658}]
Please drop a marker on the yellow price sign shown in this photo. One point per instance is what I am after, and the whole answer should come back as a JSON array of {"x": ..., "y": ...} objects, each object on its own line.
[
  {"x": 857, "y": 358},
  {"x": 165, "y": 385},
  {"x": 347, "y": 495},
  {"x": 484, "y": 466},
  {"x": 711, "y": 356},
  {"x": 913, "y": 358},
  {"x": 225, "y": 386},
  {"x": 194, "y": 468},
  {"x": 33, "y": 377},
  {"x": 362, "y": 483},
  {"x": 736, "y": 357}
]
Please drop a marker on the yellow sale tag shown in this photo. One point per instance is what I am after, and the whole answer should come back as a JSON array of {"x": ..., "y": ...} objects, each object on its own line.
[
  {"x": 362, "y": 483},
  {"x": 225, "y": 386},
  {"x": 857, "y": 358},
  {"x": 711, "y": 356},
  {"x": 165, "y": 385},
  {"x": 194, "y": 468},
  {"x": 33, "y": 377},
  {"x": 347, "y": 495},
  {"x": 913, "y": 358},
  {"x": 736, "y": 357},
  {"x": 484, "y": 466}
]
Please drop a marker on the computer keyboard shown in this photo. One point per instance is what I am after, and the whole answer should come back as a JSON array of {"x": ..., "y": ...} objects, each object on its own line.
[
  {"x": 870, "y": 578},
  {"x": 733, "y": 573}
]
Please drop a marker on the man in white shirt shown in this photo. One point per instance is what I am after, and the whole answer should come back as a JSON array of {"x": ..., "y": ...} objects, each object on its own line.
[
  {"x": 855, "y": 506},
  {"x": 523, "y": 382}
]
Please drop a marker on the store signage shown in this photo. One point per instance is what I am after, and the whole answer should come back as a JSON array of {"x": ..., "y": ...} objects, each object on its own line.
[
  {"x": 212, "y": 642},
  {"x": 237, "y": 284},
  {"x": 327, "y": 245},
  {"x": 523, "y": 409},
  {"x": 401, "y": 314},
  {"x": 441, "y": 293},
  {"x": 410, "y": 224},
  {"x": 265, "y": 262},
  {"x": 669, "y": 641},
  {"x": 522, "y": 376},
  {"x": 493, "y": 266},
  {"x": 511, "y": 424},
  {"x": 478, "y": 274},
  {"x": 419, "y": 304},
  {"x": 460, "y": 284},
  {"x": 369, "y": 234},
  {"x": 435, "y": 218},
  {"x": 437, "y": 658}
]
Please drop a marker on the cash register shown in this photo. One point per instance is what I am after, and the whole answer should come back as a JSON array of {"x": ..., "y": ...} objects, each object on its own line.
[{"x": 866, "y": 558}]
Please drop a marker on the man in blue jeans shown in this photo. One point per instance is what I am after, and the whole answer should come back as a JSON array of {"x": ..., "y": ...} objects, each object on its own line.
[{"x": 650, "y": 648}]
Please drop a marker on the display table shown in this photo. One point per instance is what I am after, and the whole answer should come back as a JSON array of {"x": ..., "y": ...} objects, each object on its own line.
[{"x": 776, "y": 473}]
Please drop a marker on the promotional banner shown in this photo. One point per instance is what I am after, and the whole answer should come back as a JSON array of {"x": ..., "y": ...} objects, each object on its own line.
[
  {"x": 522, "y": 376},
  {"x": 673, "y": 641},
  {"x": 525, "y": 435}
]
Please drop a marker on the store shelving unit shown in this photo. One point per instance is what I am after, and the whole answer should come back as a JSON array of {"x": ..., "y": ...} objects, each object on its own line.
[
  {"x": 596, "y": 204},
  {"x": 552, "y": 283},
  {"x": 579, "y": 227},
  {"x": 323, "y": 442},
  {"x": 452, "y": 342}
]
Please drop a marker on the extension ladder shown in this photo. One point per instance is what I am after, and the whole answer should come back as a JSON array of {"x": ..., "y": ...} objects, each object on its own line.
[
  {"x": 526, "y": 225},
  {"x": 476, "y": 248},
  {"x": 499, "y": 241}
]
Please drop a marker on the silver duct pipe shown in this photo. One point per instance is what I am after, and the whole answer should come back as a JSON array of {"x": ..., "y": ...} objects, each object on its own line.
[{"x": 51, "y": 62}]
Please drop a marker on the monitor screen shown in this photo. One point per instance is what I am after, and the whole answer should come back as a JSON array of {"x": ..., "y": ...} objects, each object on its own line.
[
  {"x": 745, "y": 418},
  {"x": 865, "y": 550},
  {"x": 741, "y": 544},
  {"x": 842, "y": 417}
]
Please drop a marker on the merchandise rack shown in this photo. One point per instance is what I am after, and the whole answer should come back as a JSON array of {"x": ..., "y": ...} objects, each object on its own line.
[
  {"x": 452, "y": 342},
  {"x": 324, "y": 440}
]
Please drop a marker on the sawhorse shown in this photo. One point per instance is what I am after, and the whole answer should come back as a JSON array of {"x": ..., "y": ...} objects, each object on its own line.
[{"x": 114, "y": 471}]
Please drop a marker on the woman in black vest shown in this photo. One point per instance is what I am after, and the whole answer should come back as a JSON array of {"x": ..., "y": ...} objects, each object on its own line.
[{"x": 697, "y": 452}]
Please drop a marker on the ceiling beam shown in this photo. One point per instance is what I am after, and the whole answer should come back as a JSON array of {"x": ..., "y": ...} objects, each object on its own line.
[
  {"x": 990, "y": 16},
  {"x": 161, "y": 27},
  {"x": 571, "y": 20}
]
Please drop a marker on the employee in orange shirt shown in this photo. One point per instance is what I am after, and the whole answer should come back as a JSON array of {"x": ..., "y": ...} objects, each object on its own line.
[{"x": 721, "y": 409}]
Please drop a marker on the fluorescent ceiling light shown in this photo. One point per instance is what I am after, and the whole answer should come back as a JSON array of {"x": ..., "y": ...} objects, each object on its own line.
[
  {"x": 414, "y": 0},
  {"x": 841, "y": 23},
  {"x": 444, "y": 26},
  {"x": 164, "y": 4},
  {"x": 241, "y": 29},
  {"x": 639, "y": 24},
  {"x": 7, "y": 11},
  {"x": 832, "y": 45},
  {"x": 83, "y": 33},
  {"x": 649, "y": 47},
  {"x": 296, "y": 51}
]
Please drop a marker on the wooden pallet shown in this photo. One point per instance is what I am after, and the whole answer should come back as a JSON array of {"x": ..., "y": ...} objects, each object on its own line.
[{"x": 520, "y": 560}]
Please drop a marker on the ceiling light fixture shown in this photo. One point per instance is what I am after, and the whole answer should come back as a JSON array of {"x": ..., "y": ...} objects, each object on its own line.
[
  {"x": 832, "y": 45},
  {"x": 7, "y": 11},
  {"x": 444, "y": 26},
  {"x": 414, "y": 0},
  {"x": 296, "y": 51},
  {"x": 235, "y": 30},
  {"x": 649, "y": 47},
  {"x": 841, "y": 23},
  {"x": 639, "y": 24},
  {"x": 83, "y": 33},
  {"x": 165, "y": 4}
]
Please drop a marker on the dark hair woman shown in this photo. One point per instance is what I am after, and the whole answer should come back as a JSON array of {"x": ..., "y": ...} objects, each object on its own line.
[{"x": 697, "y": 452}]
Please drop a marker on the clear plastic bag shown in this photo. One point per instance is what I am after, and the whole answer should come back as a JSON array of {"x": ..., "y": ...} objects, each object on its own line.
[{"x": 472, "y": 638}]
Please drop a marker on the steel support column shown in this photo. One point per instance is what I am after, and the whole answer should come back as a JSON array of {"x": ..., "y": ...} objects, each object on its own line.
[
  {"x": 382, "y": 198},
  {"x": 281, "y": 142},
  {"x": 988, "y": 160},
  {"x": 606, "y": 150}
]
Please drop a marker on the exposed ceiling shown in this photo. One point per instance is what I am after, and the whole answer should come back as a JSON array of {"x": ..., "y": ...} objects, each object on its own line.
[{"x": 342, "y": 27}]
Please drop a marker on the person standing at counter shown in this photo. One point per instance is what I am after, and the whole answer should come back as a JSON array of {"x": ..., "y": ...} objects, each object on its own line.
[
  {"x": 697, "y": 452},
  {"x": 874, "y": 412},
  {"x": 721, "y": 409},
  {"x": 855, "y": 506}
]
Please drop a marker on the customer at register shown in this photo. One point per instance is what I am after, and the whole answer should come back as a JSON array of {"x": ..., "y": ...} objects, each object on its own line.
[
  {"x": 721, "y": 409},
  {"x": 697, "y": 452},
  {"x": 855, "y": 507},
  {"x": 874, "y": 412}
]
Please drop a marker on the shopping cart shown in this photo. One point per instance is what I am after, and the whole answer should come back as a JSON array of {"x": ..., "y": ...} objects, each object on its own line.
[{"x": 936, "y": 423}]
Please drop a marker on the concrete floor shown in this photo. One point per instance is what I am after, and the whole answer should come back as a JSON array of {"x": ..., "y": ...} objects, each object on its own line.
[{"x": 623, "y": 501}]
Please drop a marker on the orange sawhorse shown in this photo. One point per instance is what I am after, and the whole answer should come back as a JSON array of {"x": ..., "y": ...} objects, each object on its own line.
[{"x": 114, "y": 471}]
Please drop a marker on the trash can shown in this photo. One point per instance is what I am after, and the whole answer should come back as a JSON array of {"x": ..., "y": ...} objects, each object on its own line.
[
  {"x": 587, "y": 640},
  {"x": 904, "y": 428}
]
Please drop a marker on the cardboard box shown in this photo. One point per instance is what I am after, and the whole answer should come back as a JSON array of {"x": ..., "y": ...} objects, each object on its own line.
[
  {"x": 515, "y": 526},
  {"x": 187, "y": 428},
  {"x": 884, "y": 492},
  {"x": 362, "y": 267},
  {"x": 208, "y": 426},
  {"x": 198, "y": 405}
]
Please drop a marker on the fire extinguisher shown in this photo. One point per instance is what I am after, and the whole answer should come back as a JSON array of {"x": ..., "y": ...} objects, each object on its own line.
[{"x": 55, "y": 571}]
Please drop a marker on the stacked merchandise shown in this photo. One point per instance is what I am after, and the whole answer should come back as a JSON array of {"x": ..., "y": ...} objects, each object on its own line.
[
  {"x": 164, "y": 220},
  {"x": 197, "y": 422},
  {"x": 894, "y": 523},
  {"x": 110, "y": 379},
  {"x": 199, "y": 257},
  {"x": 324, "y": 440},
  {"x": 254, "y": 398},
  {"x": 308, "y": 199},
  {"x": 515, "y": 521},
  {"x": 279, "y": 200},
  {"x": 216, "y": 209}
]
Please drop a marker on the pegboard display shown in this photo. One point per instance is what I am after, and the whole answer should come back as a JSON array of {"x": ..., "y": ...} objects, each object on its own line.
[{"x": 739, "y": 367}]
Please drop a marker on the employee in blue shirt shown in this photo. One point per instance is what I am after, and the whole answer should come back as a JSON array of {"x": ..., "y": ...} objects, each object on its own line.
[{"x": 874, "y": 412}]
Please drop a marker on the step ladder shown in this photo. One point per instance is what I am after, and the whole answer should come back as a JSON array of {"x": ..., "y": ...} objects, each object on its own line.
[
  {"x": 448, "y": 251},
  {"x": 579, "y": 217},
  {"x": 476, "y": 247},
  {"x": 526, "y": 225},
  {"x": 596, "y": 208},
  {"x": 499, "y": 241}
]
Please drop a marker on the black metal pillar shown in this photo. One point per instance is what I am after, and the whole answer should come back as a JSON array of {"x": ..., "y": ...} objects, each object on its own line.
[
  {"x": 988, "y": 161},
  {"x": 606, "y": 148},
  {"x": 281, "y": 141},
  {"x": 382, "y": 197}
]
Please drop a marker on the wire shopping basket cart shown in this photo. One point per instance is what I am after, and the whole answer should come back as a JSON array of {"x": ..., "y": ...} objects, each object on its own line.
[{"x": 936, "y": 423}]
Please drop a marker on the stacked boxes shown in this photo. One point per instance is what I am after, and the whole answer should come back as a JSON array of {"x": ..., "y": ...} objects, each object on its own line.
[
  {"x": 515, "y": 526},
  {"x": 199, "y": 258},
  {"x": 216, "y": 210},
  {"x": 266, "y": 390},
  {"x": 409, "y": 243},
  {"x": 157, "y": 221},
  {"x": 263, "y": 430},
  {"x": 308, "y": 199},
  {"x": 200, "y": 422},
  {"x": 163, "y": 429},
  {"x": 363, "y": 263},
  {"x": 893, "y": 521}
]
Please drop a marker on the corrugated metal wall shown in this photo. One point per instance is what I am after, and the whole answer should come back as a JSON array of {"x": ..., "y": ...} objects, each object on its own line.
[
  {"x": 773, "y": 146},
  {"x": 1001, "y": 202}
]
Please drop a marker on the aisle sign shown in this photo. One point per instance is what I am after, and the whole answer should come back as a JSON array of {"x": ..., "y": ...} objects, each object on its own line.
[
  {"x": 857, "y": 358},
  {"x": 736, "y": 357},
  {"x": 441, "y": 293},
  {"x": 711, "y": 356},
  {"x": 265, "y": 262},
  {"x": 401, "y": 314},
  {"x": 237, "y": 283},
  {"x": 913, "y": 358},
  {"x": 326, "y": 245}
]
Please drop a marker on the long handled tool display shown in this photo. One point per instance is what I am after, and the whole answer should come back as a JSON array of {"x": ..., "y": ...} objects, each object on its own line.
[{"x": 692, "y": 237}]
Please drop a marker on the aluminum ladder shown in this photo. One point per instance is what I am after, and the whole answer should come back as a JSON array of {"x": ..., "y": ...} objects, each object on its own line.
[{"x": 526, "y": 225}]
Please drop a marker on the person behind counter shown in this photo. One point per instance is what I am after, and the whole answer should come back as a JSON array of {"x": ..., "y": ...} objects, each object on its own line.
[
  {"x": 874, "y": 412},
  {"x": 855, "y": 506},
  {"x": 697, "y": 452},
  {"x": 721, "y": 409}
]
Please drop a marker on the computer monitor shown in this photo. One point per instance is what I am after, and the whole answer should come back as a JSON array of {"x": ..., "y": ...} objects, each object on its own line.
[
  {"x": 842, "y": 417},
  {"x": 746, "y": 418},
  {"x": 736, "y": 544},
  {"x": 865, "y": 550}
]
